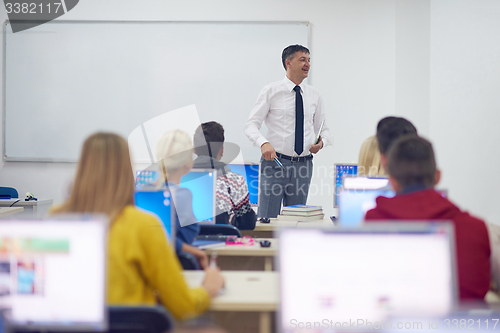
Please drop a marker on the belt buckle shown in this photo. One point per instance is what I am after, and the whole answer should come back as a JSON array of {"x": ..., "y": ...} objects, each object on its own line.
[{"x": 295, "y": 158}]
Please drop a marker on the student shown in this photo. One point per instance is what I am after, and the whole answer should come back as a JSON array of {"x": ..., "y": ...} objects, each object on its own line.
[
  {"x": 174, "y": 152},
  {"x": 141, "y": 267},
  {"x": 372, "y": 160},
  {"x": 389, "y": 129},
  {"x": 369, "y": 163},
  {"x": 413, "y": 174},
  {"x": 232, "y": 197}
]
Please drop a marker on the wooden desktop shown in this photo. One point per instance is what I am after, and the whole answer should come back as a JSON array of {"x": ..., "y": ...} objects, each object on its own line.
[
  {"x": 246, "y": 257},
  {"x": 32, "y": 208},
  {"x": 245, "y": 291},
  {"x": 8, "y": 211},
  {"x": 267, "y": 230}
]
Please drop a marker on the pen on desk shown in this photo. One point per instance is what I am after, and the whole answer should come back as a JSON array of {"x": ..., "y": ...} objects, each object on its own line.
[
  {"x": 279, "y": 163},
  {"x": 213, "y": 260}
]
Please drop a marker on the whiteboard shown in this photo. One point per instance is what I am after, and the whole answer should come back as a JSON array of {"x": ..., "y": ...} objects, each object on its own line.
[{"x": 64, "y": 80}]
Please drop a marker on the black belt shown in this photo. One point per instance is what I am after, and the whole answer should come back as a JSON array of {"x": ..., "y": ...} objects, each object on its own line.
[{"x": 295, "y": 158}]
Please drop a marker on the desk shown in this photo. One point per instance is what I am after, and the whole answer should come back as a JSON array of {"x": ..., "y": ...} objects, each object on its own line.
[
  {"x": 31, "y": 208},
  {"x": 323, "y": 224},
  {"x": 244, "y": 257},
  {"x": 274, "y": 224},
  {"x": 245, "y": 292},
  {"x": 492, "y": 298},
  {"x": 7, "y": 211},
  {"x": 266, "y": 230}
]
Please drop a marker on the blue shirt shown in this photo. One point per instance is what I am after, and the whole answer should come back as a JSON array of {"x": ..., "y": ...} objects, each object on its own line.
[{"x": 186, "y": 231}]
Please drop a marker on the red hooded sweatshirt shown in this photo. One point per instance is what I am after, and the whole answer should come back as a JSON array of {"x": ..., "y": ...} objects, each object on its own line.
[{"x": 471, "y": 234}]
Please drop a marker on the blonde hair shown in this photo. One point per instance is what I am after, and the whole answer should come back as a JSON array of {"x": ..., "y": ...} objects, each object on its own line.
[
  {"x": 174, "y": 150},
  {"x": 369, "y": 163},
  {"x": 104, "y": 181}
]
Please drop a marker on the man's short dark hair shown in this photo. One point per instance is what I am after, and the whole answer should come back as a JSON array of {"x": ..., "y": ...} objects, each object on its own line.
[
  {"x": 211, "y": 134},
  {"x": 383, "y": 121},
  {"x": 289, "y": 52},
  {"x": 411, "y": 161},
  {"x": 390, "y": 129}
]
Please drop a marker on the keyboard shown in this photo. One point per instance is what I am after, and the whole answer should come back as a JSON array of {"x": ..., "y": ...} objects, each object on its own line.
[{"x": 215, "y": 237}]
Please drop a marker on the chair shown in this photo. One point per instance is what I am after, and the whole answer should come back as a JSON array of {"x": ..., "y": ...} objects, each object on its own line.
[
  {"x": 188, "y": 261},
  {"x": 124, "y": 319},
  {"x": 8, "y": 193},
  {"x": 219, "y": 229},
  {"x": 130, "y": 319}
]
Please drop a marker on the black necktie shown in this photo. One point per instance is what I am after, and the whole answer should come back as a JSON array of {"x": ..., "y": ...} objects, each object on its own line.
[{"x": 299, "y": 121}]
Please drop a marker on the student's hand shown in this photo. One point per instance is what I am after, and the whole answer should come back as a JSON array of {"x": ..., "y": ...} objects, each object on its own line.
[
  {"x": 200, "y": 255},
  {"x": 315, "y": 148},
  {"x": 202, "y": 258},
  {"x": 213, "y": 281},
  {"x": 268, "y": 151}
]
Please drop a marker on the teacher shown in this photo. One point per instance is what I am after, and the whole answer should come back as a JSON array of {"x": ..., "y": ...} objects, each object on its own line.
[{"x": 293, "y": 112}]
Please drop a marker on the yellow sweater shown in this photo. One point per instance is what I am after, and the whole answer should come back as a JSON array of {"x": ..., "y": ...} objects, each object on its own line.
[{"x": 141, "y": 265}]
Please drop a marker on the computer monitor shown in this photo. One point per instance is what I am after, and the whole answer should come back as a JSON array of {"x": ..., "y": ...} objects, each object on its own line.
[
  {"x": 251, "y": 173},
  {"x": 353, "y": 205},
  {"x": 202, "y": 184},
  {"x": 360, "y": 183},
  {"x": 159, "y": 202},
  {"x": 146, "y": 177},
  {"x": 53, "y": 274},
  {"x": 341, "y": 170},
  {"x": 370, "y": 273},
  {"x": 359, "y": 196}
]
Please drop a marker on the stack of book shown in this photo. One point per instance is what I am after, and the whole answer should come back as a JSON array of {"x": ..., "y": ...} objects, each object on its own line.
[{"x": 301, "y": 213}]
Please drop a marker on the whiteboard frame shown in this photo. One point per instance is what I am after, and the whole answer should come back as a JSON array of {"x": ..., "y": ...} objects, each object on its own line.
[{"x": 4, "y": 64}]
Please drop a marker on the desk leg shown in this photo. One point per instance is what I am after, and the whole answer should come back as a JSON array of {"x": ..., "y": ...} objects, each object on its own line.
[
  {"x": 265, "y": 322},
  {"x": 268, "y": 264}
]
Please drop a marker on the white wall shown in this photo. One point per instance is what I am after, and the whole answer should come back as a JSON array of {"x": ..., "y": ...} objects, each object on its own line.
[
  {"x": 465, "y": 101},
  {"x": 370, "y": 59},
  {"x": 412, "y": 62}
]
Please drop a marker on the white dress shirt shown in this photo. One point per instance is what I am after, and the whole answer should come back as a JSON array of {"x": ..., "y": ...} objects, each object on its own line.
[{"x": 276, "y": 106}]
